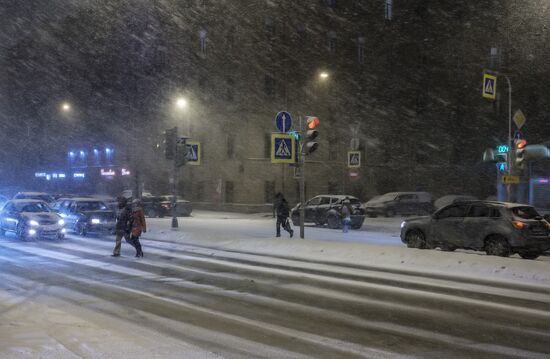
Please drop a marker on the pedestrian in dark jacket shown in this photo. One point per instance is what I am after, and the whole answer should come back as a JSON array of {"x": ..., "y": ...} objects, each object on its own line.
[
  {"x": 282, "y": 211},
  {"x": 138, "y": 226},
  {"x": 123, "y": 224}
]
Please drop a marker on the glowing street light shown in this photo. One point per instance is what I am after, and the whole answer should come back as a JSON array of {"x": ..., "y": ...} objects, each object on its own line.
[
  {"x": 65, "y": 107},
  {"x": 181, "y": 103},
  {"x": 323, "y": 75}
]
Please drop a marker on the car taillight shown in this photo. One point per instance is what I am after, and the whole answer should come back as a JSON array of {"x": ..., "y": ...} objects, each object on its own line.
[
  {"x": 518, "y": 224},
  {"x": 547, "y": 225}
]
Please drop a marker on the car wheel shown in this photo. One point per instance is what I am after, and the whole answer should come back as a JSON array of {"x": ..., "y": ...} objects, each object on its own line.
[
  {"x": 333, "y": 222},
  {"x": 371, "y": 215},
  {"x": 60, "y": 236},
  {"x": 296, "y": 221},
  {"x": 529, "y": 255},
  {"x": 497, "y": 246},
  {"x": 2, "y": 232},
  {"x": 447, "y": 248},
  {"x": 356, "y": 226},
  {"x": 390, "y": 213},
  {"x": 415, "y": 239}
]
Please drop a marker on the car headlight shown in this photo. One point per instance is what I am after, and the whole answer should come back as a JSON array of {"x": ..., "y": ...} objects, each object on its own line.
[
  {"x": 403, "y": 224},
  {"x": 61, "y": 222},
  {"x": 32, "y": 222},
  {"x": 95, "y": 221}
]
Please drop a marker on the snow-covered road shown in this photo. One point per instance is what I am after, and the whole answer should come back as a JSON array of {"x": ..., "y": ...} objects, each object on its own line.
[{"x": 222, "y": 286}]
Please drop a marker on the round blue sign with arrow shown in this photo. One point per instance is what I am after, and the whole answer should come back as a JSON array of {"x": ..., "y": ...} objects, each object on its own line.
[{"x": 283, "y": 121}]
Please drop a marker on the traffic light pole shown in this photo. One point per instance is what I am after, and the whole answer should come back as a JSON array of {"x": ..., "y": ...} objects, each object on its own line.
[
  {"x": 174, "y": 184},
  {"x": 301, "y": 163},
  {"x": 508, "y": 158}
]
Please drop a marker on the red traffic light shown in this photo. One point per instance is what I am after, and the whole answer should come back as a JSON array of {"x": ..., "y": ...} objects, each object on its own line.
[
  {"x": 520, "y": 144},
  {"x": 312, "y": 122}
]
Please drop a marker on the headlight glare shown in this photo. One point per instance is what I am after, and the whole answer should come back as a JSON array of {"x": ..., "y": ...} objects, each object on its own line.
[
  {"x": 61, "y": 222},
  {"x": 403, "y": 224},
  {"x": 96, "y": 221},
  {"x": 32, "y": 222}
]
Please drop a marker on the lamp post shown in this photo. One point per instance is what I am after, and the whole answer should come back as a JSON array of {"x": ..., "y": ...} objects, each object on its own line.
[{"x": 181, "y": 105}]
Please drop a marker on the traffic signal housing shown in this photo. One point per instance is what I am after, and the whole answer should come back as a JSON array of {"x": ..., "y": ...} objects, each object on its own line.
[
  {"x": 311, "y": 134},
  {"x": 182, "y": 149},
  {"x": 170, "y": 141},
  {"x": 519, "y": 146}
]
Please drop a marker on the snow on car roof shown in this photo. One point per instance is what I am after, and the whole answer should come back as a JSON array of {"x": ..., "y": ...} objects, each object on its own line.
[{"x": 27, "y": 200}]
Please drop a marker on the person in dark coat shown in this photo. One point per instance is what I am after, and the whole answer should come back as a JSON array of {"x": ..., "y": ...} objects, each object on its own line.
[
  {"x": 123, "y": 224},
  {"x": 138, "y": 226},
  {"x": 282, "y": 210}
]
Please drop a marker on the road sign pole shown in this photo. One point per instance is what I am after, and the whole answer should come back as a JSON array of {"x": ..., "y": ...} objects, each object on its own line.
[
  {"x": 508, "y": 158},
  {"x": 301, "y": 164},
  {"x": 174, "y": 184}
]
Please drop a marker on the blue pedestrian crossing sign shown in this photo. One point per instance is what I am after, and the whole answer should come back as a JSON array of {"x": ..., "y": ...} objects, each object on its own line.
[
  {"x": 193, "y": 153},
  {"x": 354, "y": 159},
  {"x": 283, "y": 121},
  {"x": 489, "y": 87},
  {"x": 283, "y": 148}
]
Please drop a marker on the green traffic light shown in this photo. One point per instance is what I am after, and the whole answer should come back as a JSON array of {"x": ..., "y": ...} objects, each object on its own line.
[{"x": 296, "y": 135}]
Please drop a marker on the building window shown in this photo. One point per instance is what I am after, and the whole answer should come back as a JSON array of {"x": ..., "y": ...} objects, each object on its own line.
[
  {"x": 230, "y": 85},
  {"x": 202, "y": 41},
  {"x": 269, "y": 85},
  {"x": 267, "y": 145},
  {"x": 199, "y": 191},
  {"x": 230, "y": 146},
  {"x": 229, "y": 192},
  {"x": 361, "y": 50},
  {"x": 331, "y": 41},
  {"x": 332, "y": 187},
  {"x": 333, "y": 152},
  {"x": 269, "y": 191},
  {"x": 388, "y": 9},
  {"x": 269, "y": 27}
]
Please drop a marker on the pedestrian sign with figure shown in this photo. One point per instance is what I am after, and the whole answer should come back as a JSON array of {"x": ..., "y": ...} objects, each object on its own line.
[
  {"x": 193, "y": 153},
  {"x": 283, "y": 148},
  {"x": 489, "y": 86},
  {"x": 354, "y": 159}
]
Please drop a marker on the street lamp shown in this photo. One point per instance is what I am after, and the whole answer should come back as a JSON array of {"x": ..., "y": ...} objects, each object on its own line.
[
  {"x": 181, "y": 103},
  {"x": 65, "y": 107},
  {"x": 323, "y": 75}
]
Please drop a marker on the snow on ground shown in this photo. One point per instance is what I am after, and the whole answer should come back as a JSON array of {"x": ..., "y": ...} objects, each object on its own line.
[{"x": 221, "y": 230}]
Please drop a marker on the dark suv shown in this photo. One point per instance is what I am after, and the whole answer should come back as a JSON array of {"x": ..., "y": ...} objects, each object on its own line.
[
  {"x": 498, "y": 228},
  {"x": 327, "y": 209}
]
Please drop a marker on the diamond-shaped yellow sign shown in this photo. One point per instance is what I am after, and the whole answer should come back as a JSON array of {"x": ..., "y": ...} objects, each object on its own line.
[{"x": 519, "y": 119}]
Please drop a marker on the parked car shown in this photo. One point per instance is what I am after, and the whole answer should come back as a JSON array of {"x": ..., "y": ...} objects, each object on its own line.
[
  {"x": 86, "y": 215},
  {"x": 327, "y": 209},
  {"x": 450, "y": 199},
  {"x": 41, "y": 196},
  {"x": 402, "y": 203},
  {"x": 156, "y": 206},
  {"x": 31, "y": 218},
  {"x": 183, "y": 207},
  {"x": 498, "y": 228}
]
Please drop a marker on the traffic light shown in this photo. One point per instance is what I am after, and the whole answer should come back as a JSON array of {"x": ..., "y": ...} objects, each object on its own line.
[
  {"x": 519, "y": 145},
  {"x": 311, "y": 135},
  {"x": 170, "y": 139}
]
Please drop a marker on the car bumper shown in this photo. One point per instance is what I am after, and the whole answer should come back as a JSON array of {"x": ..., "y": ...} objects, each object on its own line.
[
  {"x": 375, "y": 210},
  {"x": 532, "y": 243},
  {"x": 55, "y": 232},
  {"x": 101, "y": 227}
]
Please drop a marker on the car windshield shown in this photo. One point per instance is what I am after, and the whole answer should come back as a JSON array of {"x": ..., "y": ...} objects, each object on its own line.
[
  {"x": 525, "y": 212},
  {"x": 33, "y": 207},
  {"x": 91, "y": 206},
  {"x": 385, "y": 197}
]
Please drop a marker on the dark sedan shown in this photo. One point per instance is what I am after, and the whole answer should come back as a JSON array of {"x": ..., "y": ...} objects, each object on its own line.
[
  {"x": 86, "y": 215},
  {"x": 498, "y": 228}
]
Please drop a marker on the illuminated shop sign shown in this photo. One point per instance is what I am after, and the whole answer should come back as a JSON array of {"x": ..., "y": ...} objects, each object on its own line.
[
  {"x": 79, "y": 175},
  {"x": 124, "y": 172},
  {"x": 40, "y": 174},
  {"x": 108, "y": 172}
]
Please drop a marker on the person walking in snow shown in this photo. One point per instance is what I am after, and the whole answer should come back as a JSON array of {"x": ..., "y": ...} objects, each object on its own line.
[
  {"x": 123, "y": 224},
  {"x": 138, "y": 226},
  {"x": 346, "y": 215},
  {"x": 282, "y": 211}
]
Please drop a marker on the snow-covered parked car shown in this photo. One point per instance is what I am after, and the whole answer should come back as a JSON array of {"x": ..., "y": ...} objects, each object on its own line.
[
  {"x": 31, "y": 218},
  {"x": 399, "y": 203},
  {"x": 327, "y": 209},
  {"x": 498, "y": 228}
]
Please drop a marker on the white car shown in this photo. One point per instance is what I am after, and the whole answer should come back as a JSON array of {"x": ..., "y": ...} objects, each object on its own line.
[{"x": 31, "y": 218}]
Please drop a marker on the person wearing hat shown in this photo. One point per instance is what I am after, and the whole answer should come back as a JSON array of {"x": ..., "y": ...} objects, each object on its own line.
[
  {"x": 282, "y": 210},
  {"x": 138, "y": 226},
  {"x": 123, "y": 224}
]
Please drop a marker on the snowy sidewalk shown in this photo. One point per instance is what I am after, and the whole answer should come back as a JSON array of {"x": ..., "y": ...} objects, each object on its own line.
[{"x": 463, "y": 264}]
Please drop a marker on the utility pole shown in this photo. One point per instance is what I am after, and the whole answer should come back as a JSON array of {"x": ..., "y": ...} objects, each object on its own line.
[{"x": 301, "y": 165}]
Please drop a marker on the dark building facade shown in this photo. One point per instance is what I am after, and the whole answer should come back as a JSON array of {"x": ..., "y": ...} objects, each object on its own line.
[{"x": 404, "y": 84}]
